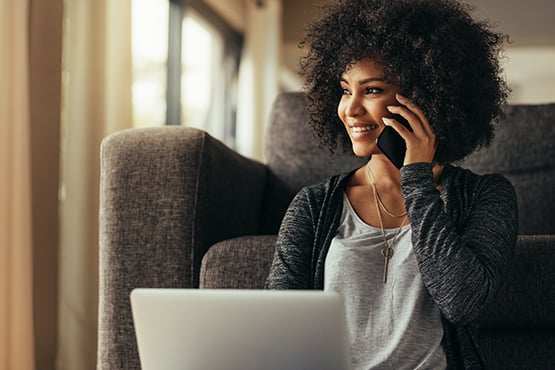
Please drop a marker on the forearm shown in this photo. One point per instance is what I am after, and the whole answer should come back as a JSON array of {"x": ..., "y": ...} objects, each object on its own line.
[
  {"x": 463, "y": 253},
  {"x": 291, "y": 267}
]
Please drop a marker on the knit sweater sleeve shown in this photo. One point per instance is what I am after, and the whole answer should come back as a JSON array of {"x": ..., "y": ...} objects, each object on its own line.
[
  {"x": 463, "y": 262},
  {"x": 291, "y": 266}
]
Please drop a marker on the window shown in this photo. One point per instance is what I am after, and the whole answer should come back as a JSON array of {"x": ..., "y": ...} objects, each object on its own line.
[
  {"x": 149, "y": 52},
  {"x": 201, "y": 102},
  {"x": 185, "y": 62}
]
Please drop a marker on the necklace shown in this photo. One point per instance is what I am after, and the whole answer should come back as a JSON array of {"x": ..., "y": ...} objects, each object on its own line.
[
  {"x": 370, "y": 177},
  {"x": 387, "y": 250}
]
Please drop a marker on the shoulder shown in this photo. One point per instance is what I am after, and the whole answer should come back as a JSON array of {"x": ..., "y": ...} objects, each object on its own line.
[
  {"x": 469, "y": 179},
  {"x": 327, "y": 188},
  {"x": 314, "y": 200},
  {"x": 492, "y": 187}
]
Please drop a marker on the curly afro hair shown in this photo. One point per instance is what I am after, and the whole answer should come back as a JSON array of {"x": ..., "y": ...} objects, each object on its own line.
[{"x": 444, "y": 60}]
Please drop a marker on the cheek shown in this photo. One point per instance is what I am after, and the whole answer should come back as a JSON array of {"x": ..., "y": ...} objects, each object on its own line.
[{"x": 341, "y": 110}]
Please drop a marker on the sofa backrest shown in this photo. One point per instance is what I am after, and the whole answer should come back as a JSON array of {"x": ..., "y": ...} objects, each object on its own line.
[
  {"x": 292, "y": 151},
  {"x": 523, "y": 150},
  {"x": 294, "y": 158}
]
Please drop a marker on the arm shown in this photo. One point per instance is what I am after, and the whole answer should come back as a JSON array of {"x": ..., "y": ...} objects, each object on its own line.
[
  {"x": 292, "y": 264},
  {"x": 463, "y": 263}
]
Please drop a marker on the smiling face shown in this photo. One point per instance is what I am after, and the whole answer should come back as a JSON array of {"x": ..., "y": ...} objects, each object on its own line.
[{"x": 366, "y": 95}]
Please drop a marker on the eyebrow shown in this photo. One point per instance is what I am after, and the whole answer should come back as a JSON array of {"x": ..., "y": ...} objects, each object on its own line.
[{"x": 366, "y": 80}]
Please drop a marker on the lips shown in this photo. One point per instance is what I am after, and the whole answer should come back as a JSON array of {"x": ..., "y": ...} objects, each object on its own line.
[{"x": 364, "y": 128}]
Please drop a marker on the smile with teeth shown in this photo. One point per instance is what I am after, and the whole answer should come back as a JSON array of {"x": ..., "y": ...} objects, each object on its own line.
[{"x": 358, "y": 129}]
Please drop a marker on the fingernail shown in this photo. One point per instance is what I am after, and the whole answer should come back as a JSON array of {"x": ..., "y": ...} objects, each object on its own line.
[
  {"x": 390, "y": 108},
  {"x": 386, "y": 121}
]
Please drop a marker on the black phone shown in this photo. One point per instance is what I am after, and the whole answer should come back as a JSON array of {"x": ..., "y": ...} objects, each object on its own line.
[{"x": 392, "y": 144}]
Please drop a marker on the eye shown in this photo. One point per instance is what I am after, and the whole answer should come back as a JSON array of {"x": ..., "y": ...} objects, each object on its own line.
[
  {"x": 372, "y": 90},
  {"x": 345, "y": 91}
]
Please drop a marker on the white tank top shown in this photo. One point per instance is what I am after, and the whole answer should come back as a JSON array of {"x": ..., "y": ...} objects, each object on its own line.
[{"x": 395, "y": 325}]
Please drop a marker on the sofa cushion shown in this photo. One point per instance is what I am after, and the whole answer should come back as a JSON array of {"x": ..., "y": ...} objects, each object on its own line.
[
  {"x": 244, "y": 263},
  {"x": 239, "y": 263}
]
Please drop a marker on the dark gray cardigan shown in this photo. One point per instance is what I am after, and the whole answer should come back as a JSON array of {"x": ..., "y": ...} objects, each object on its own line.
[{"x": 463, "y": 238}]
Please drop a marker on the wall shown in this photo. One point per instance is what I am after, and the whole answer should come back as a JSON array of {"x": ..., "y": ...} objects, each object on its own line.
[
  {"x": 531, "y": 74},
  {"x": 531, "y": 53},
  {"x": 530, "y": 56},
  {"x": 233, "y": 11}
]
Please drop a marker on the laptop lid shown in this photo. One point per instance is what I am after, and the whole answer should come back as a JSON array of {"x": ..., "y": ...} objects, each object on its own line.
[{"x": 192, "y": 329}]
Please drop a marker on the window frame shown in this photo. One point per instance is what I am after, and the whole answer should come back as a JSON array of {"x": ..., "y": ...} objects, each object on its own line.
[{"x": 233, "y": 41}]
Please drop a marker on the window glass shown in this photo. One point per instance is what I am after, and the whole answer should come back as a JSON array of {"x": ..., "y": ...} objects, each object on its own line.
[
  {"x": 202, "y": 75},
  {"x": 149, "y": 53},
  {"x": 203, "y": 81}
]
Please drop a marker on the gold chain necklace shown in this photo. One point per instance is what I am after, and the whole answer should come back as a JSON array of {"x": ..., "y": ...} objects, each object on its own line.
[
  {"x": 370, "y": 177},
  {"x": 387, "y": 250}
]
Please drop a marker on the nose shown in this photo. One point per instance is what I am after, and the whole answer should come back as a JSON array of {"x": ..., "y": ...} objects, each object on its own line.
[{"x": 354, "y": 107}]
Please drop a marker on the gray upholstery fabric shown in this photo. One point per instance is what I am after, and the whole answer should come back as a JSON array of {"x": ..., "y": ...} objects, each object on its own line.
[
  {"x": 168, "y": 194},
  {"x": 294, "y": 157},
  {"x": 245, "y": 262},
  {"x": 517, "y": 332},
  {"x": 523, "y": 150},
  {"x": 292, "y": 151},
  {"x": 239, "y": 263}
]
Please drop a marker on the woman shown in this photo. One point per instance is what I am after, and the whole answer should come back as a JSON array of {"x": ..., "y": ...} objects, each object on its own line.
[{"x": 417, "y": 253}]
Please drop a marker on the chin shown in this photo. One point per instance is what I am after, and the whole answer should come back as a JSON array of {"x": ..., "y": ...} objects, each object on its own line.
[{"x": 363, "y": 151}]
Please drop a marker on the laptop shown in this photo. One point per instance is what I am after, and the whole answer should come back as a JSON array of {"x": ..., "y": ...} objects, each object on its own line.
[{"x": 203, "y": 329}]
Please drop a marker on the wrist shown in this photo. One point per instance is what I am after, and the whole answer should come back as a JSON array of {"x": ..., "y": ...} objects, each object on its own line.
[{"x": 416, "y": 178}]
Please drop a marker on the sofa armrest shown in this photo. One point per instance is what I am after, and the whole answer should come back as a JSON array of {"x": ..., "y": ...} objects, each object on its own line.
[{"x": 166, "y": 195}]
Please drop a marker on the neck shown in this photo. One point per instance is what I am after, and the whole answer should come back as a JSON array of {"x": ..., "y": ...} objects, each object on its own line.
[
  {"x": 385, "y": 172},
  {"x": 437, "y": 169},
  {"x": 389, "y": 176}
]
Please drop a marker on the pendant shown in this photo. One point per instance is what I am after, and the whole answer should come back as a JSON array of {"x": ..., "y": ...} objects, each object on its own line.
[{"x": 387, "y": 253}]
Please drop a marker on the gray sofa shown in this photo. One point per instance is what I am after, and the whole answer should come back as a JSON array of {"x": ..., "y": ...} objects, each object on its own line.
[{"x": 179, "y": 209}]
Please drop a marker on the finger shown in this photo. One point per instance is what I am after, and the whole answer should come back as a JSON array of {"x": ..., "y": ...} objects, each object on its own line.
[
  {"x": 403, "y": 131},
  {"x": 416, "y": 110},
  {"x": 413, "y": 120},
  {"x": 420, "y": 125},
  {"x": 409, "y": 104}
]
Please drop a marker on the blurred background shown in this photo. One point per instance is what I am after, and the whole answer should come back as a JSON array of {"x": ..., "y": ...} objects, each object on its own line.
[{"x": 75, "y": 71}]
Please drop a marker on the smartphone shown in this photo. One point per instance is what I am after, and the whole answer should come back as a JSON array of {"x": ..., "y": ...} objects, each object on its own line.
[{"x": 392, "y": 144}]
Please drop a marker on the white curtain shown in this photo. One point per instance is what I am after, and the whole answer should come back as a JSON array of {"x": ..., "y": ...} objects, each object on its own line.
[
  {"x": 97, "y": 102},
  {"x": 258, "y": 74},
  {"x": 16, "y": 306}
]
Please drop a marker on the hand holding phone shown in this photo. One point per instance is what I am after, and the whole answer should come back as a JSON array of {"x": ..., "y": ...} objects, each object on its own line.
[{"x": 392, "y": 144}]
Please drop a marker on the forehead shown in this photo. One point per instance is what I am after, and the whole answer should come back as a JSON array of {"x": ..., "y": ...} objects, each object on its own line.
[{"x": 365, "y": 67}]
